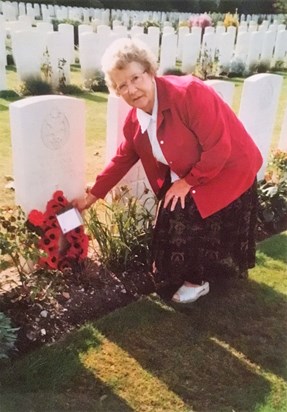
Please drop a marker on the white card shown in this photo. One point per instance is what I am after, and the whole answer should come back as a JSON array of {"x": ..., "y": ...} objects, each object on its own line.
[{"x": 69, "y": 220}]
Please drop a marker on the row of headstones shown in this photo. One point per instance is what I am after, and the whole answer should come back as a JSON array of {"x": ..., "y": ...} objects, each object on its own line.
[
  {"x": 34, "y": 47},
  {"x": 54, "y": 126},
  {"x": 11, "y": 10}
]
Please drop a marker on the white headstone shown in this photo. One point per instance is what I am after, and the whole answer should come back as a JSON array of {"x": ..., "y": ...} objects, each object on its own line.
[
  {"x": 258, "y": 107},
  {"x": 242, "y": 45},
  {"x": 117, "y": 111},
  {"x": 68, "y": 31},
  {"x": 280, "y": 46},
  {"x": 59, "y": 52},
  {"x": 48, "y": 145},
  {"x": 224, "y": 88},
  {"x": 208, "y": 46},
  {"x": 136, "y": 30},
  {"x": 154, "y": 39},
  {"x": 190, "y": 52},
  {"x": 255, "y": 47},
  {"x": 182, "y": 32},
  {"x": 28, "y": 47},
  {"x": 91, "y": 49},
  {"x": 225, "y": 47},
  {"x": 44, "y": 26},
  {"x": 268, "y": 46},
  {"x": 3, "y": 60},
  {"x": 168, "y": 52}
]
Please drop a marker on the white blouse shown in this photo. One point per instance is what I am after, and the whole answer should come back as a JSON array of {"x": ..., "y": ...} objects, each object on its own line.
[{"x": 148, "y": 123}]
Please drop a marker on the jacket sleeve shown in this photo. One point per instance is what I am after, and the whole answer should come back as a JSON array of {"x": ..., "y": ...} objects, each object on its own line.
[
  {"x": 206, "y": 115},
  {"x": 116, "y": 169}
]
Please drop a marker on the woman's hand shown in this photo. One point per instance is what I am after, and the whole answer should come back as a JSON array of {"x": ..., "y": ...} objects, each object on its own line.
[
  {"x": 84, "y": 202},
  {"x": 177, "y": 191}
]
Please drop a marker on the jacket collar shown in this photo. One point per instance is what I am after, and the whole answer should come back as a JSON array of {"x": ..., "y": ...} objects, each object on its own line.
[{"x": 164, "y": 101}]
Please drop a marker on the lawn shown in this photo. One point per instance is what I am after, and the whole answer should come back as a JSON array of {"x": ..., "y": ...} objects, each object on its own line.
[{"x": 226, "y": 352}]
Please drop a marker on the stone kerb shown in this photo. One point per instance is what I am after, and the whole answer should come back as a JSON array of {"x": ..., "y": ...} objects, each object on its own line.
[
  {"x": 258, "y": 107},
  {"x": 48, "y": 145}
]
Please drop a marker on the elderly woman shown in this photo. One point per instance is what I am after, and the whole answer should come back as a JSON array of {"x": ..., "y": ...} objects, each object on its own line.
[{"x": 200, "y": 162}]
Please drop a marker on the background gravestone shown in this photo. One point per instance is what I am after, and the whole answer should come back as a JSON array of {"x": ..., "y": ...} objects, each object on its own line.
[{"x": 258, "y": 107}]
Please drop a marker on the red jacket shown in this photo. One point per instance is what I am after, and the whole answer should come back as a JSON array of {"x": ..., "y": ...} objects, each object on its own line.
[{"x": 202, "y": 140}]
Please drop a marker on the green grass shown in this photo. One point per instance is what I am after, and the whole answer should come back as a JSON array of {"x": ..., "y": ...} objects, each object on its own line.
[{"x": 226, "y": 352}]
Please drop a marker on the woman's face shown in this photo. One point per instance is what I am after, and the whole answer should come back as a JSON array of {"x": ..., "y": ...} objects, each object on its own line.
[{"x": 135, "y": 85}]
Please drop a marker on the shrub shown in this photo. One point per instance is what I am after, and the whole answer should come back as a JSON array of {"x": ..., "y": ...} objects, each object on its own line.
[
  {"x": 237, "y": 68},
  {"x": 8, "y": 94},
  {"x": 122, "y": 232},
  {"x": 96, "y": 82},
  {"x": 8, "y": 336},
  {"x": 18, "y": 242},
  {"x": 35, "y": 87},
  {"x": 70, "y": 89}
]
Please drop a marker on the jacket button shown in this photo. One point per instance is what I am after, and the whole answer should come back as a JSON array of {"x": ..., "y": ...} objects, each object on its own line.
[
  {"x": 161, "y": 142},
  {"x": 171, "y": 162},
  {"x": 193, "y": 191}
]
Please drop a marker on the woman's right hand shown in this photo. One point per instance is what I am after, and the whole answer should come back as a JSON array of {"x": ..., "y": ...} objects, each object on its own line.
[{"x": 84, "y": 202}]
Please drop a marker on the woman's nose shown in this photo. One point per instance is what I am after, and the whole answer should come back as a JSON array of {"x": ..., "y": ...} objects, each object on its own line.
[{"x": 131, "y": 88}]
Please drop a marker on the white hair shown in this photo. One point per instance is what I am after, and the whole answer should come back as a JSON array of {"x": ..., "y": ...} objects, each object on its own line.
[{"x": 124, "y": 51}]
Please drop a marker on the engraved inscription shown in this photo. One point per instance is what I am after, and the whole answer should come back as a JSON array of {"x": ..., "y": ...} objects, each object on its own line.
[{"x": 55, "y": 130}]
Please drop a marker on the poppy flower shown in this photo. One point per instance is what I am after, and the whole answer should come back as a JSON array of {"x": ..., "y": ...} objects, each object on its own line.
[
  {"x": 52, "y": 235},
  {"x": 36, "y": 217}
]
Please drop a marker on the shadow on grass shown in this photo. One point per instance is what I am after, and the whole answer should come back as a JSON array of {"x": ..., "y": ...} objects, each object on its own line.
[
  {"x": 219, "y": 354},
  {"x": 55, "y": 380}
]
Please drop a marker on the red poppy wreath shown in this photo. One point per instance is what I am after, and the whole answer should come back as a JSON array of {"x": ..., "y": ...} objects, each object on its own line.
[{"x": 60, "y": 250}]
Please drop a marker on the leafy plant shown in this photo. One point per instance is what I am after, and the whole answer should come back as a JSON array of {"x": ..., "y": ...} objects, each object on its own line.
[
  {"x": 96, "y": 82},
  {"x": 149, "y": 23},
  {"x": 122, "y": 231},
  {"x": 272, "y": 192},
  {"x": 237, "y": 68},
  {"x": 207, "y": 64},
  {"x": 8, "y": 336},
  {"x": 18, "y": 243}
]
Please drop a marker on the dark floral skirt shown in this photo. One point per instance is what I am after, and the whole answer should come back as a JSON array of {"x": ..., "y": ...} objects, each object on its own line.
[{"x": 188, "y": 247}]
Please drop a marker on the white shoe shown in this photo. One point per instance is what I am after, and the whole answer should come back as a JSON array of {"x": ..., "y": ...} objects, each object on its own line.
[{"x": 188, "y": 294}]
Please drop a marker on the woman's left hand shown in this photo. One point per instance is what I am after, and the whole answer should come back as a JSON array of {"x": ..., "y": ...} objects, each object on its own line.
[{"x": 175, "y": 193}]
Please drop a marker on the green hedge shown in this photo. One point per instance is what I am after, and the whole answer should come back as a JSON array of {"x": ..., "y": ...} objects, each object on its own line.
[{"x": 193, "y": 6}]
